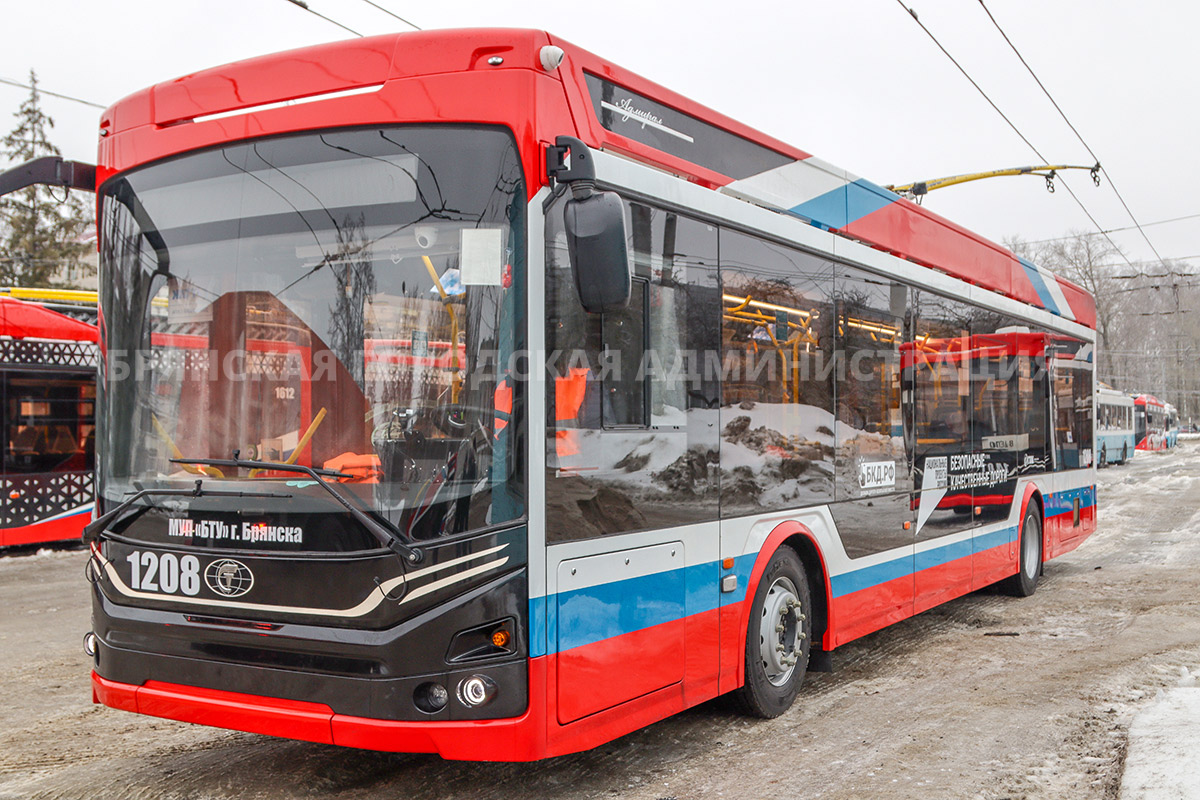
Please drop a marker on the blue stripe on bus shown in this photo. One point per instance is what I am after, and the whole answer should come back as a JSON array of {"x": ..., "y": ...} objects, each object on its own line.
[
  {"x": 846, "y": 204},
  {"x": 1039, "y": 286},
  {"x": 1064, "y": 502},
  {"x": 994, "y": 539},
  {"x": 657, "y": 594},
  {"x": 865, "y": 578}
]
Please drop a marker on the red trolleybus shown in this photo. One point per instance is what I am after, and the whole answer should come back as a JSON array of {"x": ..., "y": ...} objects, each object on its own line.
[
  {"x": 466, "y": 393},
  {"x": 1149, "y": 422},
  {"x": 47, "y": 429}
]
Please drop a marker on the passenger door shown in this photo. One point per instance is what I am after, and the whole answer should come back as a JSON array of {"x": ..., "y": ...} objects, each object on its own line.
[
  {"x": 631, "y": 479},
  {"x": 941, "y": 360},
  {"x": 874, "y": 477}
]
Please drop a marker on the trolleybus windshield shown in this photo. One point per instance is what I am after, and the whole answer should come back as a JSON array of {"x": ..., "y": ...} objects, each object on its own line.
[{"x": 348, "y": 301}]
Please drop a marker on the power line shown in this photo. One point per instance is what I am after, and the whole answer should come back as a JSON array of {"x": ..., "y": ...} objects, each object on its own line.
[
  {"x": 390, "y": 14},
  {"x": 20, "y": 85},
  {"x": 946, "y": 52},
  {"x": 1072, "y": 127},
  {"x": 1025, "y": 139},
  {"x": 304, "y": 5},
  {"x": 1119, "y": 230}
]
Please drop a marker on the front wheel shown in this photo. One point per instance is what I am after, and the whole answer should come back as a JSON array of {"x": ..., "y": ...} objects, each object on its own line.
[
  {"x": 1024, "y": 583},
  {"x": 777, "y": 638}
]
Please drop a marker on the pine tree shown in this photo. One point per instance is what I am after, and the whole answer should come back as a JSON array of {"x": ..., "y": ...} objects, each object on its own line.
[{"x": 40, "y": 230}]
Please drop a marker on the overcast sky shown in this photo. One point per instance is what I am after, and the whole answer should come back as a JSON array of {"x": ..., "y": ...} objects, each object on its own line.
[{"x": 855, "y": 82}]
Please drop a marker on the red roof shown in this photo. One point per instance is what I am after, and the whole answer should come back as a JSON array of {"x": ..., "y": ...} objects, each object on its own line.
[{"x": 22, "y": 320}]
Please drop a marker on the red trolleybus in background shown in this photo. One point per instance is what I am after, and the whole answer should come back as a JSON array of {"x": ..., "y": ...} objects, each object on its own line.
[
  {"x": 47, "y": 405},
  {"x": 1149, "y": 422},
  {"x": 466, "y": 393}
]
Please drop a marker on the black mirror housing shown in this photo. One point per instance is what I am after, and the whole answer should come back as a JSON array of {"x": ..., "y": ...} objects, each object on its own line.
[{"x": 598, "y": 249}]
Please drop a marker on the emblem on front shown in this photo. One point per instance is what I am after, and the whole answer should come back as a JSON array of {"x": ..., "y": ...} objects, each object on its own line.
[{"x": 229, "y": 578}]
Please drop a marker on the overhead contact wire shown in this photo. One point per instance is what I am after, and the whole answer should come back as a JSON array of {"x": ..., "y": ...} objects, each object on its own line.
[
  {"x": 1016, "y": 130},
  {"x": 1074, "y": 130}
]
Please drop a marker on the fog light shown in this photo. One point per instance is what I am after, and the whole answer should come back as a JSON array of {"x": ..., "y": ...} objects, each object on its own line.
[
  {"x": 89, "y": 644},
  {"x": 476, "y": 690},
  {"x": 431, "y": 697}
]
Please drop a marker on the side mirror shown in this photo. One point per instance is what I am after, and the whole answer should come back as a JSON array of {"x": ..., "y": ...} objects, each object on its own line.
[
  {"x": 596, "y": 244},
  {"x": 595, "y": 226}
]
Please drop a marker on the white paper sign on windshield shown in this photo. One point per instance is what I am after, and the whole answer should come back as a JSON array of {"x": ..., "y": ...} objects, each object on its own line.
[{"x": 482, "y": 255}]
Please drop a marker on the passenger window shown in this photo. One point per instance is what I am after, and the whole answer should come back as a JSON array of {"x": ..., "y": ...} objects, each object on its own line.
[
  {"x": 871, "y": 455},
  {"x": 1071, "y": 372},
  {"x": 941, "y": 376},
  {"x": 778, "y": 334},
  {"x": 632, "y": 431}
]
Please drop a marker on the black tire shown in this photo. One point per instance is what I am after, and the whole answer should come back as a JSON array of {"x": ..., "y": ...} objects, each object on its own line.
[
  {"x": 1025, "y": 582},
  {"x": 773, "y": 676},
  {"x": 1124, "y": 452}
]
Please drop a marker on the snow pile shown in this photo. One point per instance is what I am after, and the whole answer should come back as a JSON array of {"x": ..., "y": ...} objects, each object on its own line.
[{"x": 1163, "y": 741}]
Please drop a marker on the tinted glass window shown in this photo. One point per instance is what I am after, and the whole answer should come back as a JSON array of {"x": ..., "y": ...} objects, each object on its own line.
[
  {"x": 778, "y": 336},
  {"x": 870, "y": 428},
  {"x": 49, "y": 422},
  {"x": 663, "y": 128},
  {"x": 1008, "y": 402},
  {"x": 941, "y": 375},
  {"x": 632, "y": 430},
  {"x": 1071, "y": 373}
]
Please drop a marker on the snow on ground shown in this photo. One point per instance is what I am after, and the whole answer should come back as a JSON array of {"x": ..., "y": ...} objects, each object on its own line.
[{"x": 1164, "y": 740}]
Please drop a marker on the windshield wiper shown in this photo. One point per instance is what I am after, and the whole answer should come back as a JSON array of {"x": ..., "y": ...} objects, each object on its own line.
[
  {"x": 92, "y": 531},
  {"x": 384, "y": 530}
]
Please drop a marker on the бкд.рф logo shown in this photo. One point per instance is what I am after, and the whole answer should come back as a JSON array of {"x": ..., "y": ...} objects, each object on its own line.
[{"x": 228, "y": 578}]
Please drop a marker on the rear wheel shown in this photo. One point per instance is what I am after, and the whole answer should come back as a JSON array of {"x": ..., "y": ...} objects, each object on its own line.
[
  {"x": 1024, "y": 583},
  {"x": 778, "y": 638},
  {"x": 1124, "y": 452}
]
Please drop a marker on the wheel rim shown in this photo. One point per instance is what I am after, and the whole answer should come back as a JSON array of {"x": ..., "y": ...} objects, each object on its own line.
[
  {"x": 781, "y": 632},
  {"x": 1029, "y": 548}
]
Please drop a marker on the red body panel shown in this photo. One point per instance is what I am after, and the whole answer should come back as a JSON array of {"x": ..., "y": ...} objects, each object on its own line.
[
  {"x": 590, "y": 686},
  {"x": 995, "y": 564},
  {"x": 525, "y": 738},
  {"x": 61, "y": 529},
  {"x": 869, "y": 610},
  {"x": 940, "y": 584},
  {"x": 21, "y": 320},
  {"x": 1063, "y": 535}
]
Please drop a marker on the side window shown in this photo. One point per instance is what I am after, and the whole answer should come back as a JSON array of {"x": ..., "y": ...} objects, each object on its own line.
[
  {"x": 941, "y": 377},
  {"x": 777, "y": 337},
  {"x": 631, "y": 431},
  {"x": 1071, "y": 374},
  {"x": 49, "y": 422},
  {"x": 1007, "y": 411},
  {"x": 870, "y": 427}
]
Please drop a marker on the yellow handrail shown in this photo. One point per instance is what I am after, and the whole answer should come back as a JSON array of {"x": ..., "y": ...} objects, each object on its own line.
[
  {"x": 308, "y": 434},
  {"x": 455, "y": 379},
  {"x": 211, "y": 472}
]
